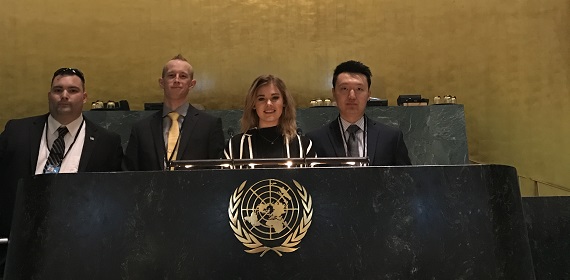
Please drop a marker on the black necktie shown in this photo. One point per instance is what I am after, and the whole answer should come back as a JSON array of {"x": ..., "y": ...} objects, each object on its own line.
[
  {"x": 352, "y": 143},
  {"x": 56, "y": 152}
]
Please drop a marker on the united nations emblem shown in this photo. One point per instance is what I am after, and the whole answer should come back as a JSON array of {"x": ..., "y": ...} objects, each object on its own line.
[{"x": 270, "y": 216}]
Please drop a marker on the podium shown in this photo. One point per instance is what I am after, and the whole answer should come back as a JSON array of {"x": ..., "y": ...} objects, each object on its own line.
[{"x": 413, "y": 222}]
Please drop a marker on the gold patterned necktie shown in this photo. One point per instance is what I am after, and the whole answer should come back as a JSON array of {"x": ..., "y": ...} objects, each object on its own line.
[{"x": 173, "y": 134}]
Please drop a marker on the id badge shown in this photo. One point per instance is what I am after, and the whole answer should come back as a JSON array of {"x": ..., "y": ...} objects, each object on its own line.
[{"x": 52, "y": 169}]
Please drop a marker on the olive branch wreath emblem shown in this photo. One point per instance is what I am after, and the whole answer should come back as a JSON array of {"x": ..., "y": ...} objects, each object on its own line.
[{"x": 250, "y": 241}]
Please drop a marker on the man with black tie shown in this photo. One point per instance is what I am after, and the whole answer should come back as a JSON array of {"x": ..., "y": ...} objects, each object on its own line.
[
  {"x": 62, "y": 141},
  {"x": 352, "y": 133},
  {"x": 178, "y": 131}
]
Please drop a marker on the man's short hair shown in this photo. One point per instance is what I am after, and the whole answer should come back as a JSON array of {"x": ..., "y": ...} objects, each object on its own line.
[
  {"x": 65, "y": 71},
  {"x": 352, "y": 66},
  {"x": 177, "y": 57}
]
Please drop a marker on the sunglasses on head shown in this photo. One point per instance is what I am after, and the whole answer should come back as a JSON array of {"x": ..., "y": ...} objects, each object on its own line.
[{"x": 69, "y": 72}]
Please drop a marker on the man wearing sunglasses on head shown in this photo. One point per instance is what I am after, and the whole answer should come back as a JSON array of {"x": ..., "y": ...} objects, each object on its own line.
[{"x": 62, "y": 141}]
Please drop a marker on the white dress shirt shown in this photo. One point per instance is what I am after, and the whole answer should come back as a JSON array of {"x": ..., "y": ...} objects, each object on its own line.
[
  {"x": 70, "y": 163},
  {"x": 359, "y": 135}
]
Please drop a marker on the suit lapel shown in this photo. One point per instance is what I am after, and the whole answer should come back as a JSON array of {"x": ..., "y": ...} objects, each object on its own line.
[
  {"x": 336, "y": 139},
  {"x": 372, "y": 137},
  {"x": 158, "y": 138},
  {"x": 188, "y": 125},
  {"x": 88, "y": 144},
  {"x": 36, "y": 134}
]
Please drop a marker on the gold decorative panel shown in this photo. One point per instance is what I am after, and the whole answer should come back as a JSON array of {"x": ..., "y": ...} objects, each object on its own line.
[{"x": 507, "y": 61}]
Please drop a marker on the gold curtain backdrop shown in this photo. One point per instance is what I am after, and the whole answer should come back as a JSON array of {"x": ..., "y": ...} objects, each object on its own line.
[{"x": 507, "y": 61}]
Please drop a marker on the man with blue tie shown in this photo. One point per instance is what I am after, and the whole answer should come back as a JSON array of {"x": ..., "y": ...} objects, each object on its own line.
[
  {"x": 352, "y": 133},
  {"x": 62, "y": 141}
]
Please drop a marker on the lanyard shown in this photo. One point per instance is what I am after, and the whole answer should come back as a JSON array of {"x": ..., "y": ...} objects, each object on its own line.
[
  {"x": 175, "y": 147},
  {"x": 167, "y": 160},
  {"x": 72, "y": 143},
  {"x": 364, "y": 135}
]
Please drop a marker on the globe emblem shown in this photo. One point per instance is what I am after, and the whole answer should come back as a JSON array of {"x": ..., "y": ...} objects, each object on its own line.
[
  {"x": 270, "y": 209},
  {"x": 270, "y": 216}
]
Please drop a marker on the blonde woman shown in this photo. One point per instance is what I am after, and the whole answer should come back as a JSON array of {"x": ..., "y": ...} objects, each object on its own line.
[{"x": 268, "y": 125}]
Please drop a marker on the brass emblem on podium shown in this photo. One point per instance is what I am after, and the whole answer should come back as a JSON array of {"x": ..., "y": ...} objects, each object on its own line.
[{"x": 270, "y": 216}]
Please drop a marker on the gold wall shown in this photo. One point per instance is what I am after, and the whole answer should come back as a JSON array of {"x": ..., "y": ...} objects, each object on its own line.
[{"x": 507, "y": 61}]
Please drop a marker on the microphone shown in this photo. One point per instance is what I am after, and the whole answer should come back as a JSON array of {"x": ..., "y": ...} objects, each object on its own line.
[
  {"x": 230, "y": 132},
  {"x": 299, "y": 131}
]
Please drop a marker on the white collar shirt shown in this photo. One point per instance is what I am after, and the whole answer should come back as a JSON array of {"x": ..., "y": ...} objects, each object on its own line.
[
  {"x": 74, "y": 140},
  {"x": 359, "y": 135}
]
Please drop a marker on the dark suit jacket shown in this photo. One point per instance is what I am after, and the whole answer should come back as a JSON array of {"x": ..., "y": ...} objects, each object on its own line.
[
  {"x": 202, "y": 138},
  {"x": 385, "y": 144},
  {"x": 19, "y": 147}
]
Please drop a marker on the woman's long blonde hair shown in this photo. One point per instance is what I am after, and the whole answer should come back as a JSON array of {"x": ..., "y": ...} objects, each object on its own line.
[{"x": 287, "y": 120}]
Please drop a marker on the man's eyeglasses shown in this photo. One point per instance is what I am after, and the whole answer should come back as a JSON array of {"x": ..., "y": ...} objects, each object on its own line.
[{"x": 68, "y": 72}]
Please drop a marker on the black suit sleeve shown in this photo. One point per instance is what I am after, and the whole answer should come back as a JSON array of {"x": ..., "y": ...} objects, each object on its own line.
[
  {"x": 116, "y": 157},
  {"x": 401, "y": 156},
  {"x": 102, "y": 150},
  {"x": 131, "y": 160},
  {"x": 6, "y": 193},
  {"x": 216, "y": 138},
  {"x": 3, "y": 145},
  {"x": 321, "y": 145}
]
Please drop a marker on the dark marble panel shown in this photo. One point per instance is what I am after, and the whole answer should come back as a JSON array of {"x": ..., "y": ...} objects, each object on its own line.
[
  {"x": 548, "y": 223},
  {"x": 434, "y": 134},
  {"x": 118, "y": 121},
  {"x": 431, "y": 222}
]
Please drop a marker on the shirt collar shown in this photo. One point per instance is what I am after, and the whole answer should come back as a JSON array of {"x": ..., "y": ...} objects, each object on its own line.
[
  {"x": 182, "y": 110},
  {"x": 346, "y": 124},
  {"x": 72, "y": 127}
]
